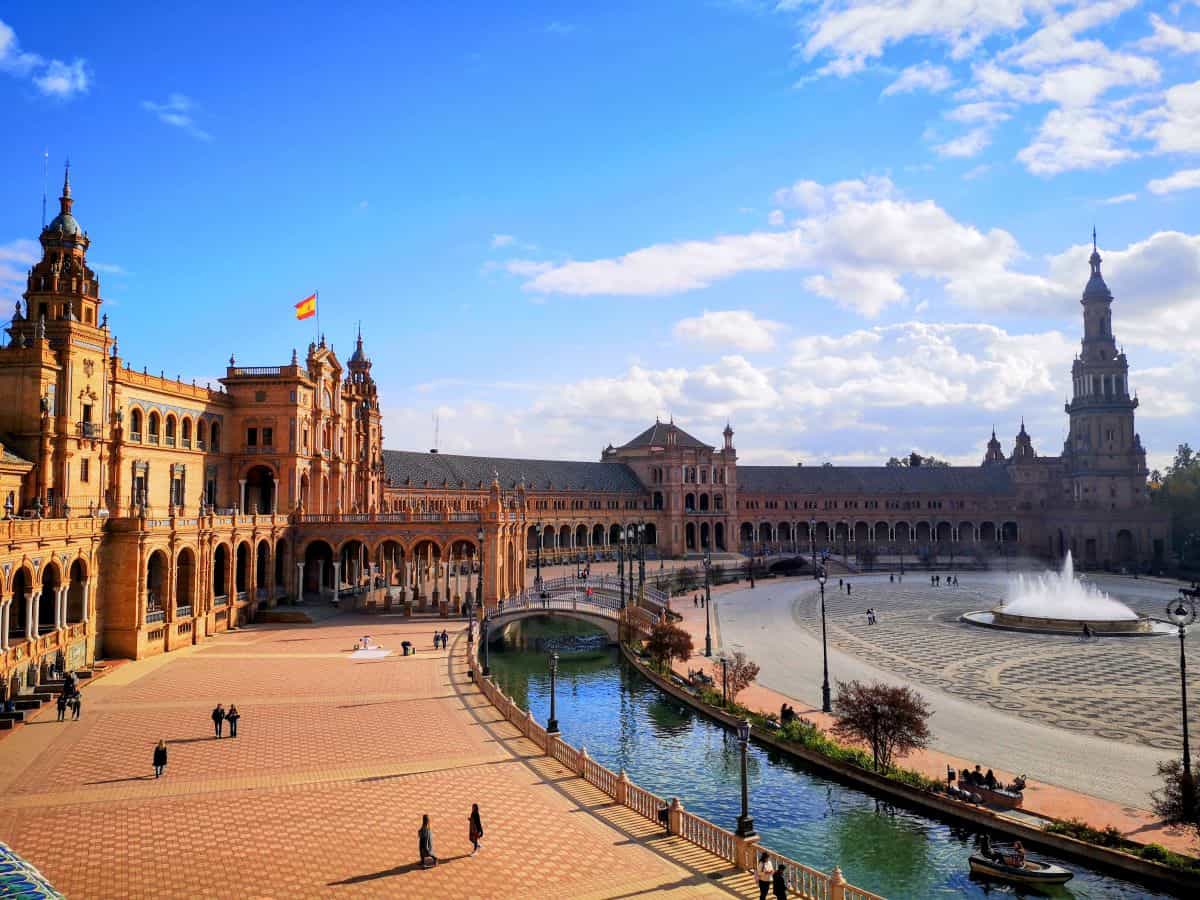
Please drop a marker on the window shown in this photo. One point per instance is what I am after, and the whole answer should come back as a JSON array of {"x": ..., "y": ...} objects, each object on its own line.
[
  {"x": 153, "y": 427},
  {"x": 260, "y": 396},
  {"x": 268, "y": 437},
  {"x": 135, "y": 424},
  {"x": 84, "y": 469},
  {"x": 215, "y": 434},
  {"x": 187, "y": 433},
  {"x": 251, "y": 437},
  {"x": 87, "y": 413}
]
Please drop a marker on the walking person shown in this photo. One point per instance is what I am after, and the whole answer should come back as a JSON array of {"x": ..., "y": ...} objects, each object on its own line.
[
  {"x": 218, "y": 718},
  {"x": 764, "y": 872},
  {"x": 475, "y": 831},
  {"x": 76, "y": 704},
  {"x": 62, "y": 705},
  {"x": 232, "y": 718},
  {"x": 779, "y": 883},
  {"x": 445, "y": 639},
  {"x": 160, "y": 758},
  {"x": 425, "y": 843}
]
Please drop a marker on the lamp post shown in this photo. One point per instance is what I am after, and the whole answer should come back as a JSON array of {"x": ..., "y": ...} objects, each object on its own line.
[
  {"x": 483, "y": 636},
  {"x": 631, "y": 555},
  {"x": 1182, "y": 613},
  {"x": 707, "y": 608},
  {"x": 725, "y": 680},
  {"x": 621, "y": 563},
  {"x": 812, "y": 543},
  {"x": 745, "y": 824},
  {"x": 552, "y": 722},
  {"x": 826, "y": 706},
  {"x": 479, "y": 580},
  {"x": 641, "y": 560},
  {"x": 537, "y": 572}
]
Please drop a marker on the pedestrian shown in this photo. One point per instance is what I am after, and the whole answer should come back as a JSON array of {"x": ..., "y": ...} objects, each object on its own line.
[
  {"x": 425, "y": 843},
  {"x": 160, "y": 758},
  {"x": 847, "y": 589},
  {"x": 445, "y": 639},
  {"x": 764, "y": 872},
  {"x": 232, "y": 718},
  {"x": 475, "y": 830},
  {"x": 696, "y": 601},
  {"x": 76, "y": 703},
  {"x": 779, "y": 882},
  {"x": 892, "y": 578},
  {"x": 437, "y": 640},
  {"x": 218, "y": 717},
  {"x": 62, "y": 704}
]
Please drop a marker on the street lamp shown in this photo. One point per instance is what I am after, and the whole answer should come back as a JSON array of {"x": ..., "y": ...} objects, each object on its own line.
[
  {"x": 552, "y": 722},
  {"x": 631, "y": 555},
  {"x": 1182, "y": 613},
  {"x": 812, "y": 543},
  {"x": 483, "y": 636},
  {"x": 725, "y": 680},
  {"x": 826, "y": 706},
  {"x": 707, "y": 607},
  {"x": 745, "y": 824},
  {"x": 641, "y": 559},
  {"x": 621, "y": 562},
  {"x": 537, "y": 576},
  {"x": 479, "y": 581}
]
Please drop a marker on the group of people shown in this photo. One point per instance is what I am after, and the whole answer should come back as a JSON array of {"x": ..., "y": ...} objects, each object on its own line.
[
  {"x": 772, "y": 878},
  {"x": 936, "y": 581},
  {"x": 1011, "y": 856},
  {"x": 441, "y": 639},
  {"x": 425, "y": 837},
  {"x": 786, "y": 714},
  {"x": 221, "y": 715},
  {"x": 698, "y": 600},
  {"x": 70, "y": 698},
  {"x": 871, "y": 617}
]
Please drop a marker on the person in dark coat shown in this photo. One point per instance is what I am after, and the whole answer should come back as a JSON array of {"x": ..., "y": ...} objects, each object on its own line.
[
  {"x": 160, "y": 758},
  {"x": 218, "y": 717},
  {"x": 475, "y": 831},
  {"x": 76, "y": 705},
  {"x": 779, "y": 882},
  {"x": 425, "y": 843},
  {"x": 232, "y": 718},
  {"x": 62, "y": 706},
  {"x": 445, "y": 639}
]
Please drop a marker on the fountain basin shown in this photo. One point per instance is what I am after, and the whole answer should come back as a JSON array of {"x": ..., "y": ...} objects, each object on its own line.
[{"x": 997, "y": 618}]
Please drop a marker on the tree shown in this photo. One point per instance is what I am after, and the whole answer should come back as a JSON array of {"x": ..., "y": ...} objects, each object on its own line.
[
  {"x": 668, "y": 642},
  {"x": 890, "y": 720},
  {"x": 686, "y": 578},
  {"x": 737, "y": 674},
  {"x": 1177, "y": 489},
  {"x": 915, "y": 460},
  {"x": 1176, "y": 802}
]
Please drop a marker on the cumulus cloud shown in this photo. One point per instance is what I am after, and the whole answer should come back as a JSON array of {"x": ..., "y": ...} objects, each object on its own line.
[
  {"x": 1177, "y": 122},
  {"x": 1070, "y": 139},
  {"x": 1169, "y": 37},
  {"x": 924, "y": 76},
  {"x": 15, "y": 259},
  {"x": 177, "y": 112},
  {"x": 734, "y": 328},
  {"x": 1119, "y": 198},
  {"x": 52, "y": 77},
  {"x": 1183, "y": 180},
  {"x": 967, "y": 145}
]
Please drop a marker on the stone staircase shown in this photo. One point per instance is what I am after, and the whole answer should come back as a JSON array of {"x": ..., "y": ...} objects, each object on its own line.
[{"x": 25, "y": 705}]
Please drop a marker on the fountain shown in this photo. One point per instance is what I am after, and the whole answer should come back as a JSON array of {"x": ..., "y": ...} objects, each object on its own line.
[{"x": 1059, "y": 603}]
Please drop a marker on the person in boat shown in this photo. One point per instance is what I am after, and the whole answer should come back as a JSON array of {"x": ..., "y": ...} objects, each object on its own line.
[
  {"x": 989, "y": 780},
  {"x": 1016, "y": 857},
  {"x": 1018, "y": 784}
]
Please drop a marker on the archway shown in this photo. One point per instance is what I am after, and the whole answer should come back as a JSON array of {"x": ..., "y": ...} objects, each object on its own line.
[
  {"x": 598, "y": 536},
  {"x": 823, "y": 533},
  {"x": 903, "y": 532},
  {"x": 862, "y": 532},
  {"x": 283, "y": 556},
  {"x": 259, "y": 493},
  {"x": 923, "y": 532},
  {"x": 987, "y": 532},
  {"x": 690, "y": 535},
  {"x": 48, "y": 604},
  {"x": 944, "y": 532},
  {"x": 77, "y": 593},
  {"x": 318, "y": 567},
  {"x": 881, "y": 535},
  {"x": 718, "y": 535},
  {"x": 21, "y": 588},
  {"x": 1125, "y": 547},
  {"x": 746, "y": 533},
  {"x": 614, "y": 534},
  {"x": 652, "y": 534},
  {"x": 427, "y": 560},
  {"x": 1009, "y": 532},
  {"x": 353, "y": 557},
  {"x": 262, "y": 568},
  {"x": 705, "y": 543},
  {"x": 220, "y": 574},
  {"x": 185, "y": 582},
  {"x": 704, "y": 506},
  {"x": 764, "y": 533},
  {"x": 156, "y": 585},
  {"x": 966, "y": 532},
  {"x": 241, "y": 571}
]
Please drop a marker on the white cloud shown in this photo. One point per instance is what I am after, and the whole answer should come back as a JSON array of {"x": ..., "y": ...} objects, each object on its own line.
[
  {"x": 1119, "y": 198},
  {"x": 560, "y": 28},
  {"x": 527, "y": 267},
  {"x": 977, "y": 172},
  {"x": 924, "y": 76},
  {"x": 1183, "y": 180},
  {"x": 1178, "y": 120},
  {"x": 502, "y": 240},
  {"x": 1071, "y": 139},
  {"x": 108, "y": 268},
  {"x": 1169, "y": 37},
  {"x": 986, "y": 112},
  {"x": 177, "y": 112},
  {"x": 775, "y": 217},
  {"x": 52, "y": 77},
  {"x": 15, "y": 259},
  {"x": 735, "y": 328},
  {"x": 967, "y": 145}
]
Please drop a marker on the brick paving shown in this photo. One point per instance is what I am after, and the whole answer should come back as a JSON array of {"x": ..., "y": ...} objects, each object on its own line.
[{"x": 322, "y": 792}]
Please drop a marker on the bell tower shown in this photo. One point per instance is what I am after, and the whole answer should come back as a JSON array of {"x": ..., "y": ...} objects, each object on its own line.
[
  {"x": 1103, "y": 454},
  {"x": 366, "y": 465}
]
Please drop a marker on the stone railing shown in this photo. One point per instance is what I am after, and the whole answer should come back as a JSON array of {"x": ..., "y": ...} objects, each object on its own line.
[{"x": 803, "y": 881}]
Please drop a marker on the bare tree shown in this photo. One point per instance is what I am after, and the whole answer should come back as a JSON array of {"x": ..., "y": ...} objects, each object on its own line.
[
  {"x": 737, "y": 674},
  {"x": 667, "y": 642},
  {"x": 1176, "y": 802},
  {"x": 890, "y": 720}
]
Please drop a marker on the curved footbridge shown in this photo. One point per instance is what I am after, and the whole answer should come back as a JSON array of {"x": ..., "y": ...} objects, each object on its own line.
[{"x": 603, "y": 601}]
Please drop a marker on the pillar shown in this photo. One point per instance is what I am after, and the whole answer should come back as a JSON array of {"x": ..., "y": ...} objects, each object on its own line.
[
  {"x": 337, "y": 578},
  {"x": 5, "y": 610},
  {"x": 320, "y": 578},
  {"x": 62, "y": 605},
  {"x": 299, "y": 582},
  {"x": 86, "y": 587},
  {"x": 31, "y": 616},
  {"x": 241, "y": 495}
]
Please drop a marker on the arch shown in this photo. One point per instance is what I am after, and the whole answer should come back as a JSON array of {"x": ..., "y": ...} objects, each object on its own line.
[
  {"x": 719, "y": 502},
  {"x": 510, "y": 569},
  {"x": 77, "y": 593},
  {"x": 352, "y": 554},
  {"x": 658, "y": 499},
  {"x": 22, "y": 587},
  {"x": 987, "y": 532},
  {"x": 651, "y": 537},
  {"x": 258, "y": 495},
  {"x": 764, "y": 532},
  {"x": 903, "y": 532},
  {"x": 185, "y": 431},
  {"x": 304, "y": 490},
  {"x": 746, "y": 533},
  {"x": 47, "y": 605},
  {"x": 881, "y": 533},
  {"x": 943, "y": 532},
  {"x": 718, "y": 534},
  {"x": 1125, "y": 546},
  {"x": 705, "y": 542},
  {"x": 262, "y": 568},
  {"x": 841, "y": 532},
  {"x": 924, "y": 532},
  {"x": 784, "y": 531},
  {"x": 598, "y": 535},
  {"x": 172, "y": 427},
  {"x": 318, "y": 566},
  {"x": 214, "y": 437},
  {"x": 822, "y": 532},
  {"x": 689, "y": 532},
  {"x": 966, "y": 531},
  {"x": 241, "y": 569},
  {"x": 581, "y": 536},
  {"x": 220, "y": 571},
  {"x": 135, "y": 423},
  {"x": 156, "y": 581},
  {"x": 426, "y": 557},
  {"x": 283, "y": 559},
  {"x": 1009, "y": 532},
  {"x": 614, "y": 534},
  {"x": 201, "y": 433},
  {"x": 185, "y": 582},
  {"x": 153, "y": 426},
  {"x": 564, "y": 537},
  {"x": 531, "y": 538},
  {"x": 704, "y": 503},
  {"x": 689, "y": 502},
  {"x": 862, "y": 532}
]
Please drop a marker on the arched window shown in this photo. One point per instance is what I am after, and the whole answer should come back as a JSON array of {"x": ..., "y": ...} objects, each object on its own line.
[
  {"x": 170, "y": 431},
  {"x": 153, "y": 428},
  {"x": 186, "y": 428},
  {"x": 200, "y": 433},
  {"x": 215, "y": 436},
  {"x": 135, "y": 424}
]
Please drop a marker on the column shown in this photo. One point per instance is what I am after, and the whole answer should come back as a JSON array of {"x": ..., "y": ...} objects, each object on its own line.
[
  {"x": 31, "y": 616},
  {"x": 62, "y": 606},
  {"x": 299, "y": 582},
  {"x": 320, "y": 578},
  {"x": 87, "y": 599},
  {"x": 5, "y": 611},
  {"x": 337, "y": 578},
  {"x": 241, "y": 495}
]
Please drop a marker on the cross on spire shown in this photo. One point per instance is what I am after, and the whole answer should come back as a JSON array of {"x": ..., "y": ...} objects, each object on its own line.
[{"x": 1094, "y": 249}]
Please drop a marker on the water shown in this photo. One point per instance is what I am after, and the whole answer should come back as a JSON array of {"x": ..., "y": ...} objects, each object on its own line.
[
  {"x": 1060, "y": 595},
  {"x": 626, "y": 722}
]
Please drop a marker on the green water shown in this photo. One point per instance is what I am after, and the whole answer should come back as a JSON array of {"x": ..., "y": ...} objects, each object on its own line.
[{"x": 626, "y": 722}]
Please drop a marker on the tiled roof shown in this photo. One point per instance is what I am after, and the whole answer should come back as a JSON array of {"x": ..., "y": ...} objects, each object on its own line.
[
  {"x": 875, "y": 479},
  {"x": 539, "y": 474},
  {"x": 10, "y": 457},
  {"x": 656, "y": 436}
]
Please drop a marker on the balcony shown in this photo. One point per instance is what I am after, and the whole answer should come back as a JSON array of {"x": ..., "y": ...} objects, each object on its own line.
[
  {"x": 153, "y": 438},
  {"x": 221, "y": 600},
  {"x": 183, "y": 612},
  {"x": 135, "y": 436},
  {"x": 199, "y": 444},
  {"x": 87, "y": 429},
  {"x": 170, "y": 442},
  {"x": 154, "y": 615}
]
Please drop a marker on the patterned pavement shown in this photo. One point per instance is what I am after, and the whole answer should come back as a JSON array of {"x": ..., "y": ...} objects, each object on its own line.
[
  {"x": 322, "y": 792},
  {"x": 1118, "y": 689}
]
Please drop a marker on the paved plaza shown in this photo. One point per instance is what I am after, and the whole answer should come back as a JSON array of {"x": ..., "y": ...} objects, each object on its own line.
[
  {"x": 1091, "y": 716},
  {"x": 322, "y": 792}
]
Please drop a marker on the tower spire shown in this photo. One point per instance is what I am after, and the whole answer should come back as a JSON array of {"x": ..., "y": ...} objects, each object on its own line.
[{"x": 1094, "y": 250}]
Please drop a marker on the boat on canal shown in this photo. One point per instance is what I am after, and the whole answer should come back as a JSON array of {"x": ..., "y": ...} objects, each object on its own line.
[{"x": 1030, "y": 872}]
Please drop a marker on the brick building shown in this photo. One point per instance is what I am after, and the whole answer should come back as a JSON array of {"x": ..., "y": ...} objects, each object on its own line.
[{"x": 143, "y": 513}]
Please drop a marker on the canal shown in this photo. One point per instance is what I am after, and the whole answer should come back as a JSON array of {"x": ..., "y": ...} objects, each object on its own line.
[{"x": 627, "y": 723}]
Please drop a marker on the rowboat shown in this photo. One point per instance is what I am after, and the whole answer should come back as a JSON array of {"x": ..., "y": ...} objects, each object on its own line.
[{"x": 1032, "y": 872}]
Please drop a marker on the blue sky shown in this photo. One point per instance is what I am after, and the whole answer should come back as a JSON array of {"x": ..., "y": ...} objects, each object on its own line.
[{"x": 852, "y": 228}]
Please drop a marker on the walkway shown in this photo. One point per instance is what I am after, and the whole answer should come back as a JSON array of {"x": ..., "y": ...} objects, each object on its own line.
[
  {"x": 322, "y": 792},
  {"x": 1071, "y": 775}
]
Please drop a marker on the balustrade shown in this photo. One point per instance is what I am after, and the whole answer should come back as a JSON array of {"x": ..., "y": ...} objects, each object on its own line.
[
  {"x": 183, "y": 612},
  {"x": 155, "y": 615}
]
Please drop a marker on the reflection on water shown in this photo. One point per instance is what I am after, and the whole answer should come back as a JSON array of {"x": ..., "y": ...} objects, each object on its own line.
[{"x": 627, "y": 723}]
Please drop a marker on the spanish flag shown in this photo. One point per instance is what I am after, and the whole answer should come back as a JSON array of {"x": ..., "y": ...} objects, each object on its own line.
[{"x": 307, "y": 308}]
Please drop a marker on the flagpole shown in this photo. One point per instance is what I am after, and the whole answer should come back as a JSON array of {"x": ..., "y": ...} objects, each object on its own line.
[{"x": 317, "y": 304}]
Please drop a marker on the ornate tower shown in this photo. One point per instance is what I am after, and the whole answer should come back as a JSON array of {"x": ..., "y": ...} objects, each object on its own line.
[
  {"x": 1023, "y": 448},
  {"x": 366, "y": 463},
  {"x": 1103, "y": 455},
  {"x": 995, "y": 453}
]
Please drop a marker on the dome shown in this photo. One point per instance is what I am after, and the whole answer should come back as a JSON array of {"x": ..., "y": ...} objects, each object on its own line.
[{"x": 64, "y": 221}]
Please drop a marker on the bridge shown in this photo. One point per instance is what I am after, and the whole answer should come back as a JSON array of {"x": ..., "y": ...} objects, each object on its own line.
[{"x": 596, "y": 600}]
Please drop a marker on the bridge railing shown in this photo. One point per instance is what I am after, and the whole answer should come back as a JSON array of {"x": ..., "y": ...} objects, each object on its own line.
[{"x": 608, "y": 584}]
